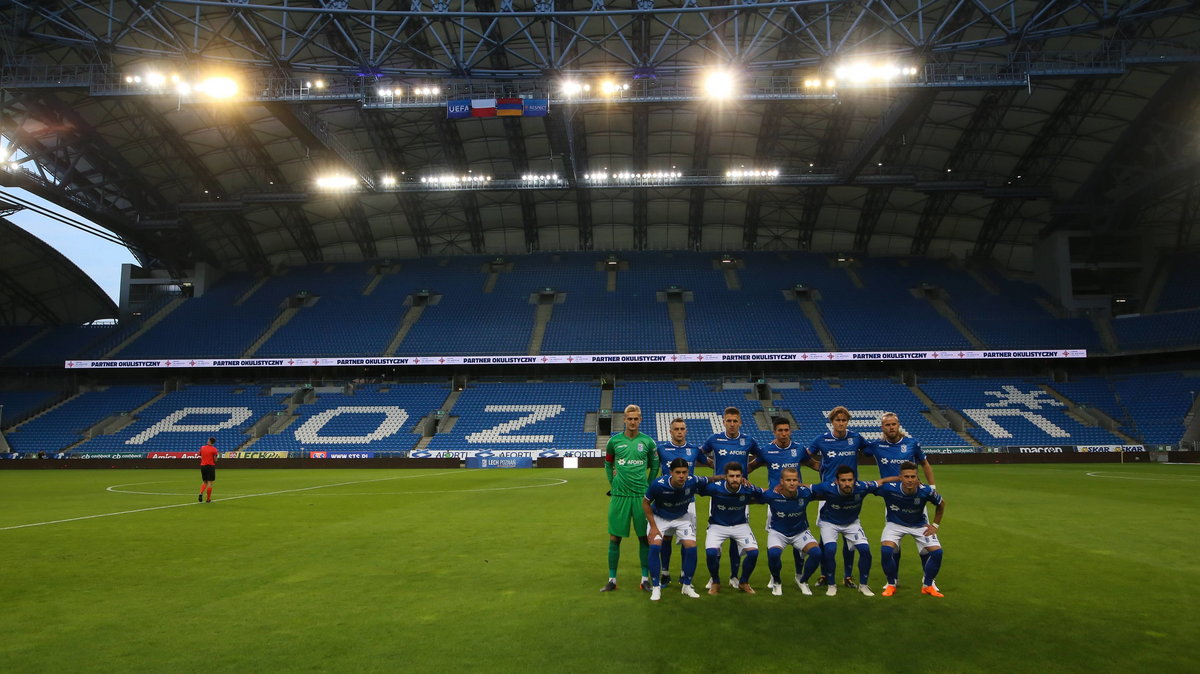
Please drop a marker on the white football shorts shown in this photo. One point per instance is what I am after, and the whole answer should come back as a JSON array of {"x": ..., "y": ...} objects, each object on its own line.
[
  {"x": 778, "y": 540},
  {"x": 683, "y": 528},
  {"x": 894, "y": 533},
  {"x": 853, "y": 533},
  {"x": 740, "y": 534}
]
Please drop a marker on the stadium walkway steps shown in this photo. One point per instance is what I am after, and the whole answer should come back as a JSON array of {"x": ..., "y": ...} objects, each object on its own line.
[
  {"x": 1050, "y": 307},
  {"x": 375, "y": 281},
  {"x": 678, "y": 315},
  {"x": 48, "y": 410},
  {"x": 410, "y": 319},
  {"x": 854, "y": 277},
  {"x": 1192, "y": 422},
  {"x": 17, "y": 349},
  {"x": 540, "y": 320},
  {"x": 113, "y": 424},
  {"x": 250, "y": 292},
  {"x": 732, "y": 282},
  {"x": 606, "y": 400},
  {"x": 950, "y": 315},
  {"x": 446, "y": 425},
  {"x": 1104, "y": 328},
  {"x": 983, "y": 281},
  {"x": 281, "y": 320},
  {"x": 147, "y": 324},
  {"x": 610, "y": 282},
  {"x": 1088, "y": 416},
  {"x": 813, "y": 313},
  {"x": 1154, "y": 292},
  {"x": 944, "y": 418}
]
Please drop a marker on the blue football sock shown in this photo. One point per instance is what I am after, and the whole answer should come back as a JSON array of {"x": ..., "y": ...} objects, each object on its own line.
[
  {"x": 932, "y": 565},
  {"x": 811, "y": 563},
  {"x": 828, "y": 562},
  {"x": 655, "y": 564},
  {"x": 748, "y": 564},
  {"x": 896, "y": 559},
  {"x": 713, "y": 556},
  {"x": 888, "y": 561},
  {"x": 734, "y": 559},
  {"x": 689, "y": 565},
  {"x": 864, "y": 563},
  {"x": 798, "y": 558},
  {"x": 665, "y": 557},
  {"x": 775, "y": 562},
  {"x": 848, "y": 560}
]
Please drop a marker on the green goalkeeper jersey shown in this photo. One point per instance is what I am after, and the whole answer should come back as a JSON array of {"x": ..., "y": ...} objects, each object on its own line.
[{"x": 628, "y": 463}]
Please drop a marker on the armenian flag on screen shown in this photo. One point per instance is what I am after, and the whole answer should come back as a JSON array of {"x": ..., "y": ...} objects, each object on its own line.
[{"x": 466, "y": 108}]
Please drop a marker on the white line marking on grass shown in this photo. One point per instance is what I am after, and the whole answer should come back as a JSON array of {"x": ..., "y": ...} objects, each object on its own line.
[
  {"x": 556, "y": 482},
  {"x": 1148, "y": 479},
  {"x": 227, "y": 498}
]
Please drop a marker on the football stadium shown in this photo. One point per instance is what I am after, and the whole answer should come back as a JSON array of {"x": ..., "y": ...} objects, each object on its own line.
[{"x": 532, "y": 333}]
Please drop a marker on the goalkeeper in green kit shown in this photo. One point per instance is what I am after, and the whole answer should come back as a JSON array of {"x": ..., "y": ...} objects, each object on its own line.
[{"x": 629, "y": 461}]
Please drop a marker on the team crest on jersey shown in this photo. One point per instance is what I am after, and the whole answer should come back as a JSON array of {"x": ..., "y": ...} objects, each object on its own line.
[{"x": 742, "y": 441}]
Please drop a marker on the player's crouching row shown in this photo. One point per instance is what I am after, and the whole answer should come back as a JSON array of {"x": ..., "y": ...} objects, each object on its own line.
[{"x": 668, "y": 509}]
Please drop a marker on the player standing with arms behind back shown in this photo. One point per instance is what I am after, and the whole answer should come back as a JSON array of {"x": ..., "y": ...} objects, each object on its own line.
[
  {"x": 208, "y": 470},
  {"x": 629, "y": 461}
]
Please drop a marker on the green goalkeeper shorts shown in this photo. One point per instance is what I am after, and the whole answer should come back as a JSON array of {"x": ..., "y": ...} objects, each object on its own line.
[{"x": 622, "y": 509}]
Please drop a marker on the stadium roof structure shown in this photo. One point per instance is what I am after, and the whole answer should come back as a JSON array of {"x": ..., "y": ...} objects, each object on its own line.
[
  {"x": 919, "y": 127},
  {"x": 38, "y": 286}
]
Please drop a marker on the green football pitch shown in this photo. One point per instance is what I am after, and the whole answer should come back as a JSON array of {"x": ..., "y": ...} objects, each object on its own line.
[{"x": 1048, "y": 567}]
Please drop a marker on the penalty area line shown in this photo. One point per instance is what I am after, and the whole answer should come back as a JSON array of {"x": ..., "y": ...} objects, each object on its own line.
[{"x": 227, "y": 498}]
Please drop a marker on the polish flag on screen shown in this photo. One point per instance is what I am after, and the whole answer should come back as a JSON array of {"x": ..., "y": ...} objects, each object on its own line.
[{"x": 483, "y": 107}]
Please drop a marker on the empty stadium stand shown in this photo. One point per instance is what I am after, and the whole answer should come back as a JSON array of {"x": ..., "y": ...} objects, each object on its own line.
[
  {"x": 658, "y": 302},
  {"x": 504, "y": 416},
  {"x": 1014, "y": 411},
  {"x": 363, "y": 418},
  {"x": 65, "y": 424}
]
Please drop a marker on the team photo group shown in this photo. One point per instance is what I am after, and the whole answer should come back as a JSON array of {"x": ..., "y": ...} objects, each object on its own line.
[{"x": 653, "y": 490}]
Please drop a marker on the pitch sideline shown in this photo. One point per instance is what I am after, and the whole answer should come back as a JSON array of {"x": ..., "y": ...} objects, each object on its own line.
[{"x": 227, "y": 498}]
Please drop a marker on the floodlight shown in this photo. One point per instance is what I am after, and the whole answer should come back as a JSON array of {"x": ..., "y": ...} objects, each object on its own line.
[
  {"x": 389, "y": 181},
  {"x": 337, "y": 182},
  {"x": 719, "y": 84},
  {"x": 571, "y": 88},
  {"x": 218, "y": 87},
  {"x": 609, "y": 88}
]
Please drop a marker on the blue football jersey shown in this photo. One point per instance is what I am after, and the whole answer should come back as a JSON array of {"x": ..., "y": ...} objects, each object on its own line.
[
  {"x": 840, "y": 508},
  {"x": 789, "y": 516},
  {"x": 669, "y": 451},
  {"x": 728, "y": 508},
  {"x": 670, "y": 503},
  {"x": 722, "y": 449},
  {"x": 908, "y": 509},
  {"x": 833, "y": 452},
  {"x": 777, "y": 459},
  {"x": 889, "y": 455}
]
